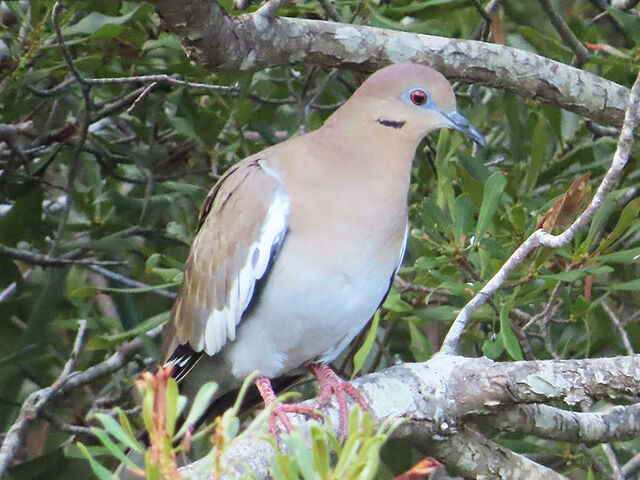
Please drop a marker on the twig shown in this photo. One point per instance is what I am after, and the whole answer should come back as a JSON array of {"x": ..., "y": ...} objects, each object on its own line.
[
  {"x": 53, "y": 90},
  {"x": 480, "y": 9},
  {"x": 7, "y": 292},
  {"x": 66, "y": 427},
  {"x": 632, "y": 465},
  {"x": 36, "y": 402},
  {"x": 270, "y": 8},
  {"x": 483, "y": 29},
  {"x": 66, "y": 57},
  {"x": 595, "y": 463},
  {"x": 8, "y": 132},
  {"x": 549, "y": 309},
  {"x": 142, "y": 96},
  {"x": 613, "y": 461},
  {"x": 77, "y": 379},
  {"x": 404, "y": 286},
  {"x": 161, "y": 78},
  {"x": 616, "y": 321},
  {"x": 273, "y": 101},
  {"x": 84, "y": 123},
  {"x": 601, "y": 130},
  {"x": 45, "y": 260},
  {"x": 330, "y": 10},
  {"x": 329, "y": 106},
  {"x": 541, "y": 238},
  {"x": 130, "y": 282},
  {"x": 581, "y": 52}
]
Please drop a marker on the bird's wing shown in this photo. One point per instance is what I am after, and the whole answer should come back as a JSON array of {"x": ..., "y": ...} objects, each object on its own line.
[{"x": 242, "y": 226}]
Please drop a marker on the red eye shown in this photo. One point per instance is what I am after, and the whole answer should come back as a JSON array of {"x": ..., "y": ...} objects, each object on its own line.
[{"x": 418, "y": 97}]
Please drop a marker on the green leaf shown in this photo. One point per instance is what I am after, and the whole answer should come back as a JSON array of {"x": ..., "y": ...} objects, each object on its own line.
[
  {"x": 600, "y": 219},
  {"x": 363, "y": 352},
  {"x": 395, "y": 303},
  {"x": 628, "y": 215},
  {"x": 87, "y": 292},
  {"x": 630, "y": 23},
  {"x": 321, "y": 450},
  {"x": 420, "y": 346},
  {"x": 92, "y": 23},
  {"x": 112, "y": 447},
  {"x": 624, "y": 256},
  {"x": 631, "y": 286},
  {"x": 297, "y": 447},
  {"x": 578, "y": 273},
  {"x": 493, "y": 348},
  {"x": 509, "y": 339},
  {"x": 24, "y": 220},
  {"x": 116, "y": 430},
  {"x": 493, "y": 189},
  {"x": 199, "y": 407},
  {"x": 126, "y": 426},
  {"x": 462, "y": 219},
  {"x": 101, "y": 472},
  {"x": 106, "y": 341},
  {"x": 539, "y": 144}
]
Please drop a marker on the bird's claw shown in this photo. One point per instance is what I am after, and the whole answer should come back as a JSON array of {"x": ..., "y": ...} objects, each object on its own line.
[{"x": 330, "y": 384}]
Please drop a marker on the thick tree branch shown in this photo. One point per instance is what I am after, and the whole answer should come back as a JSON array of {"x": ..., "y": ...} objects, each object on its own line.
[
  {"x": 614, "y": 424},
  {"x": 251, "y": 42},
  {"x": 438, "y": 396},
  {"x": 478, "y": 457}
]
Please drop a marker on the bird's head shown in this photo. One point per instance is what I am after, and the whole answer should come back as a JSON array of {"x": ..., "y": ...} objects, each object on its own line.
[{"x": 413, "y": 100}]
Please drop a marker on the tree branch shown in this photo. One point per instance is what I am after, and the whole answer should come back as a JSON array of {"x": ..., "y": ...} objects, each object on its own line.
[
  {"x": 439, "y": 395},
  {"x": 251, "y": 42},
  {"x": 614, "y": 424},
  {"x": 540, "y": 238},
  {"x": 45, "y": 260}
]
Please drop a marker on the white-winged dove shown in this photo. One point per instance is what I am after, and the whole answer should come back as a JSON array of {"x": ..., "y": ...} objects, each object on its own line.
[{"x": 298, "y": 245}]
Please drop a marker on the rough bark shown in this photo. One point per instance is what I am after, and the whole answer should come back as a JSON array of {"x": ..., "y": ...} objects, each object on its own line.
[
  {"x": 254, "y": 41},
  {"x": 440, "y": 396}
]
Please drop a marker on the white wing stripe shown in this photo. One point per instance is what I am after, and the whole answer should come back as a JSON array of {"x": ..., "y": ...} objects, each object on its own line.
[{"x": 221, "y": 324}]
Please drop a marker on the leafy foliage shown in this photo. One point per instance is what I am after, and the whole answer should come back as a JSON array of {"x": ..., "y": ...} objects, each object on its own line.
[{"x": 121, "y": 179}]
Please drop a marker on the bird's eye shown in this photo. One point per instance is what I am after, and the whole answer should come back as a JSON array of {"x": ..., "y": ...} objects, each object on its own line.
[{"x": 418, "y": 97}]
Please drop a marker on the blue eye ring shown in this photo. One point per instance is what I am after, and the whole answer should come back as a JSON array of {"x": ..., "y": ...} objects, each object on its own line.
[{"x": 418, "y": 97}]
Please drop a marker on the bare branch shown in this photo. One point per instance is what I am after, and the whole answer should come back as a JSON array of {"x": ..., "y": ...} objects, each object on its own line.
[
  {"x": 130, "y": 282},
  {"x": 270, "y": 8},
  {"x": 616, "y": 321},
  {"x": 544, "y": 421},
  {"x": 439, "y": 395},
  {"x": 161, "y": 78},
  {"x": 45, "y": 260},
  {"x": 596, "y": 463},
  {"x": 540, "y": 238},
  {"x": 84, "y": 124},
  {"x": 581, "y": 52},
  {"x": 475, "y": 456}
]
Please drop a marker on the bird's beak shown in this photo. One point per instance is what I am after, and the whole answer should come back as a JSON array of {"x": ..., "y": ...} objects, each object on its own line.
[{"x": 460, "y": 123}]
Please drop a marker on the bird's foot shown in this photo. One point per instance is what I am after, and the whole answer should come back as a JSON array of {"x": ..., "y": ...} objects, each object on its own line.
[
  {"x": 280, "y": 412},
  {"x": 331, "y": 384}
]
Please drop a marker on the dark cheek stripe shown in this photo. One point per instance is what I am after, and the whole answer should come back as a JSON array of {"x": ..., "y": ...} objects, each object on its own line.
[{"x": 391, "y": 123}]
